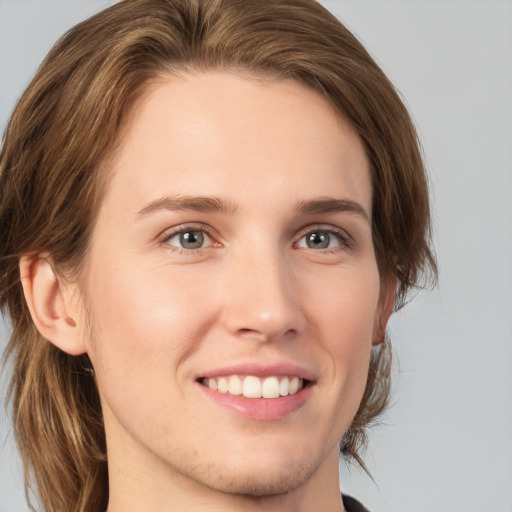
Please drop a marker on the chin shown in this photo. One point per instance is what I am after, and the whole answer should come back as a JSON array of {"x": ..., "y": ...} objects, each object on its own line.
[
  {"x": 263, "y": 485},
  {"x": 265, "y": 481}
]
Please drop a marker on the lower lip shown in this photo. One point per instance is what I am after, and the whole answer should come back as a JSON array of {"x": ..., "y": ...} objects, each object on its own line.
[{"x": 260, "y": 408}]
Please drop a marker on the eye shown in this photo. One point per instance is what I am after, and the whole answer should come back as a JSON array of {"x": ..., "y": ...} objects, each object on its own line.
[
  {"x": 323, "y": 238},
  {"x": 188, "y": 239}
]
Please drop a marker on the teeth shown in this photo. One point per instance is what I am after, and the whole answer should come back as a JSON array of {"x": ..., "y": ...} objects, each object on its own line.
[
  {"x": 235, "y": 385},
  {"x": 252, "y": 387},
  {"x": 222, "y": 385},
  {"x": 270, "y": 388},
  {"x": 255, "y": 387},
  {"x": 284, "y": 387},
  {"x": 294, "y": 385}
]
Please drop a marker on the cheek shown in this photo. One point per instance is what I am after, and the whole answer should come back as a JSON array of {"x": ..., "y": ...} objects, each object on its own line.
[
  {"x": 343, "y": 310},
  {"x": 144, "y": 326},
  {"x": 346, "y": 302},
  {"x": 144, "y": 319}
]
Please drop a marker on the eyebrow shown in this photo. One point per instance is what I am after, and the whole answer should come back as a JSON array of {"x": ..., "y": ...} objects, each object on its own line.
[
  {"x": 195, "y": 203},
  {"x": 218, "y": 205},
  {"x": 330, "y": 205}
]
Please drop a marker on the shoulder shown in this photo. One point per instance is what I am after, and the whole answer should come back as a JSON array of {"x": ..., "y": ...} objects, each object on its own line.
[{"x": 352, "y": 505}]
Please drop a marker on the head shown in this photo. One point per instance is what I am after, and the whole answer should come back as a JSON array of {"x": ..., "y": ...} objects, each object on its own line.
[{"x": 60, "y": 161}]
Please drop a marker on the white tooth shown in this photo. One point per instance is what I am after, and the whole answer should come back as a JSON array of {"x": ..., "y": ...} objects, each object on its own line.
[
  {"x": 294, "y": 385},
  {"x": 270, "y": 388},
  {"x": 222, "y": 385},
  {"x": 235, "y": 385},
  {"x": 212, "y": 384},
  {"x": 284, "y": 387},
  {"x": 252, "y": 387}
]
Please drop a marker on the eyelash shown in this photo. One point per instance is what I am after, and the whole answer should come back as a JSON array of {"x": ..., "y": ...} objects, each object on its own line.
[
  {"x": 345, "y": 240},
  {"x": 164, "y": 239}
]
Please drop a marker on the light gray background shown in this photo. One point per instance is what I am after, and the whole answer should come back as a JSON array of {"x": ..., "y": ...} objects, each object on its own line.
[{"x": 447, "y": 442}]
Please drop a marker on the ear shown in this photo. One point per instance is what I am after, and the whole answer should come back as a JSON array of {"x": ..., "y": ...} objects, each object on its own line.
[
  {"x": 384, "y": 310},
  {"x": 52, "y": 303}
]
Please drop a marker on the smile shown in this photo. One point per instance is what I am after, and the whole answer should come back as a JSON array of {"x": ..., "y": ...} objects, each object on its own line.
[{"x": 251, "y": 386}]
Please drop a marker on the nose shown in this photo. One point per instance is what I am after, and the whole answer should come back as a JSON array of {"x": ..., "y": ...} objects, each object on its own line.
[{"x": 261, "y": 297}]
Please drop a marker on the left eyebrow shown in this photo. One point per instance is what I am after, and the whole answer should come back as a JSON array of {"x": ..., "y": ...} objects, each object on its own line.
[{"x": 331, "y": 205}]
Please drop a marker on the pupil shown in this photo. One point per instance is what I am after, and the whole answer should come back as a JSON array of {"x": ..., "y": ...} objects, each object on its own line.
[
  {"x": 318, "y": 240},
  {"x": 192, "y": 239}
]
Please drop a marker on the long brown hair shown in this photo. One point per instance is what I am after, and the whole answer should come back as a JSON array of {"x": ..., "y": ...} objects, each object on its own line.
[{"x": 53, "y": 167}]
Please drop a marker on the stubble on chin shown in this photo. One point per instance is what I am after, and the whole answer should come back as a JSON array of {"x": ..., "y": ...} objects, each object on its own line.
[{"x": 256, "y": 484}]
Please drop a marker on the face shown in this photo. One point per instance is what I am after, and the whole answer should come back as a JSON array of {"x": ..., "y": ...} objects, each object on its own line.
[{"x": 233, "y": 284}]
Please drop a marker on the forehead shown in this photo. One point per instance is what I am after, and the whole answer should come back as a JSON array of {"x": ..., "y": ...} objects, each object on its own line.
[{"x": 214, "y": 132}]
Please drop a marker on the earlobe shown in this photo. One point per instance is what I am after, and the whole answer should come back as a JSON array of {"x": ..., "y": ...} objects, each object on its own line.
[
  {"x": 50, "y": 305},
  {"x": 384, "y": 310}
]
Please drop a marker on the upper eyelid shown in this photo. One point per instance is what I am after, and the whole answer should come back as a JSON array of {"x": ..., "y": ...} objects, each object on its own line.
[
  {"x": 324, "y": 227},
  {"x": 172, "y": 232},
  {"x": 192, "y": 226}
]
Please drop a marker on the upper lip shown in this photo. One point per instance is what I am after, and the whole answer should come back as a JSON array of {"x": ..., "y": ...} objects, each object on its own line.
[{"x": 262, "y": 370}]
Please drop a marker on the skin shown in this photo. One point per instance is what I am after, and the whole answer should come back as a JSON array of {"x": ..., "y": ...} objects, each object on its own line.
[{"x": 254, "y": 292}]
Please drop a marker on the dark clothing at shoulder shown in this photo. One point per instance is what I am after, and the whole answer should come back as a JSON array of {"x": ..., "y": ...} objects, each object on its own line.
[{"x": 352, "y": 505}]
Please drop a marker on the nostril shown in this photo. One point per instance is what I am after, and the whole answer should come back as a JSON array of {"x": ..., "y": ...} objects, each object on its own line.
[
  {"x": 264, "y": 336},
  {"x": 253, "y": 333}
]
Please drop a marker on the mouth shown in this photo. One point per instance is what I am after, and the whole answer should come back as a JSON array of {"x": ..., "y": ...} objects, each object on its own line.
[
  {"x": 259, "y": 392},
  {"x": 254, "y": 387}
]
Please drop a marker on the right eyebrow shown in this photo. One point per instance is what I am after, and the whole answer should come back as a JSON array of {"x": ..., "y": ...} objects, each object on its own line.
[{"x": 194, "y": 203}]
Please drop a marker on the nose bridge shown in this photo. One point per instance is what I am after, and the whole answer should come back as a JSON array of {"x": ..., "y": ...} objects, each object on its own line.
[{"x": 261, "y": 294}]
